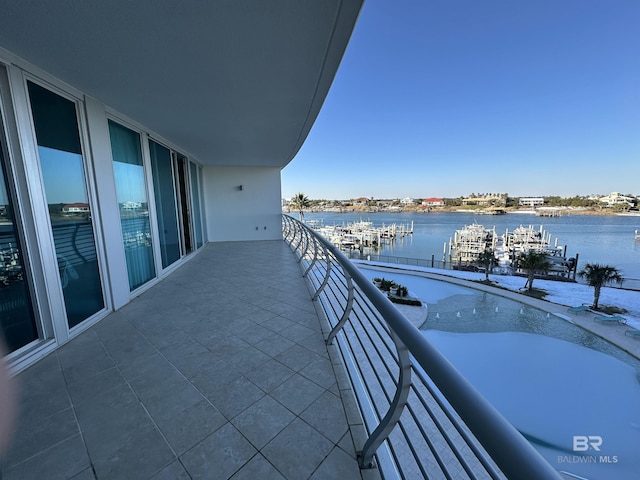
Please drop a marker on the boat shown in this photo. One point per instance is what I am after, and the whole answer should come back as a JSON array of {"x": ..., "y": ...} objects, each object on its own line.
[
  {"x": 358, "y": 235},
  {"x": 469, "y": 242}
]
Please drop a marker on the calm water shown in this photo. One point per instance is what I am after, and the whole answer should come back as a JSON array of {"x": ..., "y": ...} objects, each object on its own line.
[
  {"x": 597, "y": 239},
  {"x": 551, "y": 379}
]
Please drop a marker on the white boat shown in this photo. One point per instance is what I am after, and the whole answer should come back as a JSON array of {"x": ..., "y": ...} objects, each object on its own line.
[{"x": 469, "y": 242}]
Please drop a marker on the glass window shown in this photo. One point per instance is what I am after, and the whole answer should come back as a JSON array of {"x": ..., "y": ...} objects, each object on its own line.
[
  {"x": 17, "y": 321},
  {"x": 165, "y": 196},
  {"x": 182, "y": 186},
  {"x": 132, "y": 200},
  {"x": 195, "y": 195},
  {"x": 63, "y": 174}
]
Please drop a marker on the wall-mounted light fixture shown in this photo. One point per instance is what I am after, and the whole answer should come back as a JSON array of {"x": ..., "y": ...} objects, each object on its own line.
[{"x": 239, "y": 187}]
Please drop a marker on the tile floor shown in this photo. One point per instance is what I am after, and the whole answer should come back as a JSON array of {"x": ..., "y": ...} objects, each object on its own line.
[{"x": 219, "y": 371}]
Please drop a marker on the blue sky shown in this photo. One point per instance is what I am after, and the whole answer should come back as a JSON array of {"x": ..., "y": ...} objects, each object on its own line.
[
  {"x": 63, "y": 176},
  {"x": 449, "y": 97}
]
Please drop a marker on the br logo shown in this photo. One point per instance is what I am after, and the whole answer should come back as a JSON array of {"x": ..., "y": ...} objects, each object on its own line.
[{"x": 582, "y": 443}]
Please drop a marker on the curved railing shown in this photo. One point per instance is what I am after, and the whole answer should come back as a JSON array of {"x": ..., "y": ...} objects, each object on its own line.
[{"x": 422, "y": 418}]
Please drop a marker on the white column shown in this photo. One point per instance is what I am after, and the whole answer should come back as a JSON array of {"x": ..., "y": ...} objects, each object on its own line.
[{"x": 116, "y": 262}]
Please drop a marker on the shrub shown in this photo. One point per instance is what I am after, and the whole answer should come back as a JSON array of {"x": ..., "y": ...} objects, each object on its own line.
[
  {"x": 386, "y": 284},
  {"x": 406, "y": 301}
]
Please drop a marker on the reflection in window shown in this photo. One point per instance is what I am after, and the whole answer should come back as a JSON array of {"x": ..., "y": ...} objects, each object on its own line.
[
  {"x": 62, "y": 167},
  {"x": 195, "y": 194},
  {"x": 132, "y": 200},
  {"x": 165, "y": 197},
  {"x": 182, "y": 186},
  {"x": 17, "y": 321}
]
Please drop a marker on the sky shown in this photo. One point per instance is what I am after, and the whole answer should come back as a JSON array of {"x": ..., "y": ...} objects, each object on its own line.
[
  {"x": 64, "y": 180},
  {"x": 63, "y": 176},
  {"x": 444, "y": 98}
]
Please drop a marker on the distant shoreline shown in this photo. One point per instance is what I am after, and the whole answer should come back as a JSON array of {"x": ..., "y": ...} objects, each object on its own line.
[{"x": 428, "y": 211}]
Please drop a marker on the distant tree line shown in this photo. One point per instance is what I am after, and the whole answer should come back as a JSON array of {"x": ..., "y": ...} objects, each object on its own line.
[
  {"x": 550, "y": 201},
  {"x": 576, "y": 201}
]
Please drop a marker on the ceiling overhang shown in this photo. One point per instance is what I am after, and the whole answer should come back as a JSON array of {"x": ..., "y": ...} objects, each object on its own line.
[{"x": 233, "y": 82}]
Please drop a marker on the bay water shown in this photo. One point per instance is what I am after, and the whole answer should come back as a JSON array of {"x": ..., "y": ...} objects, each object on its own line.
[{"x": 604, "y": 239}]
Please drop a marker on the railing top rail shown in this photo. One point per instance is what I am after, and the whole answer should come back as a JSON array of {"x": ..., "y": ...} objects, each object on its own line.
[{"x": 508, "y": 448}]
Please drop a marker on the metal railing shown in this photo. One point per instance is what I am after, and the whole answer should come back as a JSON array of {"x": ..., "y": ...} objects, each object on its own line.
[
  {"x": 628, "y": 283},
  {"x": 422, "y": 417},
  {"x": 417, "y": 262}
]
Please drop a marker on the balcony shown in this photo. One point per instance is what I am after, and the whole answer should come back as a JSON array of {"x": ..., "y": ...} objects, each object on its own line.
[
  {"x": 221, "y": 370},
  {"x": 218, "y": 371}
]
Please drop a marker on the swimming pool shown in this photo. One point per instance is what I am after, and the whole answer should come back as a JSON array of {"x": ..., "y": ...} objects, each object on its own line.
[{"x": 554, "y": 381}]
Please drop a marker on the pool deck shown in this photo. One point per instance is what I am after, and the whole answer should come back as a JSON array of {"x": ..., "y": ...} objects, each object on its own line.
[{"x": 613, "y": 332}]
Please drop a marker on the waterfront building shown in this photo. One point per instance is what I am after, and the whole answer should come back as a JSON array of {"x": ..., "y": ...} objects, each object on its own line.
[
  {"x": 76, "y": 208},
  {"x": 171, "y": 122},
  {"x": 433, "y": 202},
  {"x": 131, "y": 136},
  {"x": 407, "y": 201},
  {"x": 531, "y": 201},
  {"x": 161, "y": 151},
  {"x": 615, "y": 198}
]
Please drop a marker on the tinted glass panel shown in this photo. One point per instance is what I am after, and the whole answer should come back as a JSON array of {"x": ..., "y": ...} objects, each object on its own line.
[
  {"x": 195, "y": 194},
  {"x": 165, "y": 196},
  {"x": 17, "y": 321},
  {"x": 63, "y": 174},
  {"x": 182, "y": 186},
  {"x": 132, "y": 200}
]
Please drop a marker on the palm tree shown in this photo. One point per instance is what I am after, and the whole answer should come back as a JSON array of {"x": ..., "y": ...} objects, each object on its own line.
[
  {"x": 598, "y": 276},
  {"x": 533, "y": 262},
  {"x": 300, "y": 201},
  {"x": 486, "y": 259}
]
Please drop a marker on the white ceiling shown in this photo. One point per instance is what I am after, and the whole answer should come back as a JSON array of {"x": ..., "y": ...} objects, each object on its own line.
[{"x": 233, "y": 82}]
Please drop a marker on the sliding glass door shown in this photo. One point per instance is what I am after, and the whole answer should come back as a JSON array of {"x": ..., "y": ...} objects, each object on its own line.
[
  {"x": 176, "y": 187},
  {"x": 17, "y": 320},
  {"x": 165, "y": 197},
  {"x": 63, "y": 173},
  {"x": 134, "y": 207},
  {"x": 182, "y": 186},
  {"x": 195, "y": 198}
]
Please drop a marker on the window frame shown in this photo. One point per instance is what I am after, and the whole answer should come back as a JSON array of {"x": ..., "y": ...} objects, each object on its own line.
[
  {"x": 148, "y": 188},
  {"x": 54, "y": 292},
  {"x": 15, "y": 191}
]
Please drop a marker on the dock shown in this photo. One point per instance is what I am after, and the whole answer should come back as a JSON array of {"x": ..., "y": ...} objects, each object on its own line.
[
  {"x": 492, "y": 211},
  {"x": 549, "y": 212},
  {"x": 469, "y": 242},
  {"x": 363, "y": 234}
]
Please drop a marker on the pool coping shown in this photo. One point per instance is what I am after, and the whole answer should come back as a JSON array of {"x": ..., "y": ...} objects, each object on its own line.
[{"x": 613, "y": 333}]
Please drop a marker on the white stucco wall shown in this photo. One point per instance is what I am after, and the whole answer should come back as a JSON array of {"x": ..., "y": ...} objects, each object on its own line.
[{"x": 253, "y": 213}]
